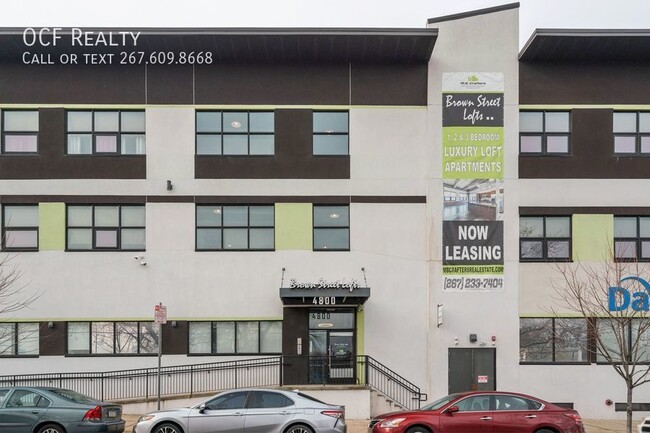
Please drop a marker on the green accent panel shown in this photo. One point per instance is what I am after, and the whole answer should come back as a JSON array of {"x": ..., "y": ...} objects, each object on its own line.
[
  {"x": 293, "y": 226},
  {"x": 51, "y": 226},
  {"x": 361, "y": 329},
  {"x": 592, "y": 237}
]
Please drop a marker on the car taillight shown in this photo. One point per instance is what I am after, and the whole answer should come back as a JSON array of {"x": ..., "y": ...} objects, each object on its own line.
[
  {"x": 333, "y": 413},
  {"x": 94, "y": 414},
  {"x": 574, "y": 416}
]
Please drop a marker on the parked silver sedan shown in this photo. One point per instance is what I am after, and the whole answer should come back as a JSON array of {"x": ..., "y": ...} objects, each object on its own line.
[
  {"x": 35, "y": 409},
  {"x": 249, "y": 411}
]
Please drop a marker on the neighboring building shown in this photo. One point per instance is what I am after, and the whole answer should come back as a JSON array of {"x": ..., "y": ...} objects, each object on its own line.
[{"x": 236, "y": 175}]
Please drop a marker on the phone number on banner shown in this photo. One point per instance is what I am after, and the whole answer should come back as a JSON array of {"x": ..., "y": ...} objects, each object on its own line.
[{"x": 473, "y": 282}]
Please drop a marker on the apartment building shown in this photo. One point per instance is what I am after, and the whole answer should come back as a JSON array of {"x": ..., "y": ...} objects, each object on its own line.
[{"x": 398, "y": 193}]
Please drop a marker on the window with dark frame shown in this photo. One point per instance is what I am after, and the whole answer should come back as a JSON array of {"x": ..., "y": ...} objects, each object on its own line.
[
  {"x": 544, "y": 238},
  {"x": 631, "y": 133},
  {"x": 235, "y": 133},
  {"x": 632, "y": 238},
  {"x": 235, "y": 337},
  {"x": 19, "y": 131},
  {"x": 331, "y": 227},
  {"x": 112, "y": 338},
  {"x": 20, "y": 227},
  {"x": 331, "y": 133},
  {"x": 544, "y": 132},
  {"x": 105, "y": 228},
  {"x": 553, "y": 340},
  {"x": 235, "y": 228},
  {"x": 19, "y": 339},
  {"x": 104, "y": 132},
  {"x": 610, "y": 330}
]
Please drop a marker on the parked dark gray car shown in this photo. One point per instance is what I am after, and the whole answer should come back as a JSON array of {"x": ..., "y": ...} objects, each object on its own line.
[
  {"x": 54, "y": 410},
  {"x": 249, "y": 410}
]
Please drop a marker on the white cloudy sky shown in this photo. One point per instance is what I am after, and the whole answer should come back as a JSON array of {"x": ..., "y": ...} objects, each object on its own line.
[{"x": 617, "y": 14}]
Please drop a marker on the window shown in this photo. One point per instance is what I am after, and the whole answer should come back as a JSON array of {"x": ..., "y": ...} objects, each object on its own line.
[
  {"x": 228, "y": 401},
  {"x": 515, "y": 402},
  {"x": 544, "y": 132},
  {"x": 235, "y": 133},
  {"x": 20, "y": 228},
  {"x": 19, "y": 339},
  {"x": 106, "y": 227},
  {"x": 27, "y": 398},
  {"x": 476, "y": 403},
  {"x": 330, "y": 133},
  {"x": 19, "y": 131},
  {"x": 227, "y": 338},
  {"x": 553, "y": 340},
  {"x": 621, "y": 335},
  {"x": 631, "y": 238},
  {"x": 544, "y": 238},
  {"x": 632, "y": 133},
  {"x": 238, "y": 227},
  {"x": 106, "y": 133},
  {"x": 268, "y": 400},
  {"x": 112, "y": 338},
  {"x": 331, "y": 228}
]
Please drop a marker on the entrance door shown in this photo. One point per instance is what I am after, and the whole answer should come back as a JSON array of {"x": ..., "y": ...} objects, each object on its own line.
[
  {"x": 331, "y": 346},
  {"x": 472, "y": 369}
]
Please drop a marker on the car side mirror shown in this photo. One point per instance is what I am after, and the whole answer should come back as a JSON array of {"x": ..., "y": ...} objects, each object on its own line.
[
  {"x": 452, "y": 409},
  {"x": 202, "y": 408}
]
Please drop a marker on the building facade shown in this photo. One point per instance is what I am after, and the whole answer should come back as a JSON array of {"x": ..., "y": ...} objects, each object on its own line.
[{"x": 398, "y": 193}]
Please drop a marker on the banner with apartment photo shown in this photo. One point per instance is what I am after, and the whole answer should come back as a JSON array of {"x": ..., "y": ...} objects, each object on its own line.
[{"x": 472, "y": 172}]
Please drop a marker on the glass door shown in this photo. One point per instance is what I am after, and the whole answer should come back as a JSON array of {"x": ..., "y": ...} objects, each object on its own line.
[{"x": 331, "y": 346}]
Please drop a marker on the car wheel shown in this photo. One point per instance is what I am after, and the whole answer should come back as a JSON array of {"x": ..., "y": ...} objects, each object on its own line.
[
  {"x": 167, "y": 428},
  {"x": 51, "y": 428},
  {"x": 418, "y": 430},
  {"x": 299, "y": 428}
]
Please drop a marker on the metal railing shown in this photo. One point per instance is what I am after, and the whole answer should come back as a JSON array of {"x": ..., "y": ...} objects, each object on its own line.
[{"x": 210, "y": 377}]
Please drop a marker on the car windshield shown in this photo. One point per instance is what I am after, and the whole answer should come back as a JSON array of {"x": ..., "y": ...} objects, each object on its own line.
[
  {"x": 72, "y": 396},
  {"x": 440, "y": 402}
]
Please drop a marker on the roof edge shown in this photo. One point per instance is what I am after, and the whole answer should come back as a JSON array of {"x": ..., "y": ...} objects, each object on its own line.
[{"x": 474, "y": 13}]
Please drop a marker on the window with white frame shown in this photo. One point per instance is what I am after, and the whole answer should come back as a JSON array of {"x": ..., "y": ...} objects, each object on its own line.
[
  {"x": 106, "y": 227},
  {"x": 544, "y": 132},
  {"x": 20, "y": 227},
  {"x": 331, "y": 228},
  {"x": 19, "y": 131},
  {"x": 235, "y": 133},
  {"x": 235, "y": 227},
  {"x": 632, "y": 238},
  {"x": 97, "y": 132},
  {"x": 331, "y": 133},
  {"x": 631, "y": 133},
  {"x": 235, "y": 337},
  {"x": 544, "y": 238},
  {"x": 112, "y": 338},
  {"x": 19, "y": 339}
]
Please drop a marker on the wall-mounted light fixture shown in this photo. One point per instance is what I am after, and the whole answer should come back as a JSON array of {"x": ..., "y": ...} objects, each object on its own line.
[
  {"x": 50, "y": 325},
  {"x": 174, "y": 324},
  {"x": 169, "y": 185}
]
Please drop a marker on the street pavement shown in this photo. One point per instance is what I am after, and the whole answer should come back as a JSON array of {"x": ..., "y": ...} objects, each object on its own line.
[{"x": 360, "y": 425}]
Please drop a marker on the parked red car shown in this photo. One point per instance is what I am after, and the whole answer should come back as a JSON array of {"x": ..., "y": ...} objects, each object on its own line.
[{"x": 482, "y": 412}]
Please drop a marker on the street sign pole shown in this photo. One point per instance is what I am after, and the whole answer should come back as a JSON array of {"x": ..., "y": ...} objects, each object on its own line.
[{"x": 160, "y": 317}]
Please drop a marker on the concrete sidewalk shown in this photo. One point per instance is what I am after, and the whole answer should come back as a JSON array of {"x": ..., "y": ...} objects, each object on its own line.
[{"x": 361, "y": 425}]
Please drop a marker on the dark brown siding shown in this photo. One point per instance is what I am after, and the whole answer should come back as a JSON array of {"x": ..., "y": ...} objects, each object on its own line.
[
  {"x": 170, "y": 84},
  {"x": 584, "y": 83},
  {"x": 592, "y": 153},
  {"x": 293, "y": 157},
  {"x": 52, "y": 162},
  {"x": 389, "y": 85},
  {"x": 175, "y": 338},
  {"x": 52, "y": 340}
]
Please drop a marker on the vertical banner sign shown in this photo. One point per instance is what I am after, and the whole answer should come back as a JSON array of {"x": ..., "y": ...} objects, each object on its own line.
[{"x": 472, "y": 172}]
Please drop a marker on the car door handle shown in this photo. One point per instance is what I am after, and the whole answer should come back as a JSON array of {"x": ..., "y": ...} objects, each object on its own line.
[
  {"x": 238, "y": 413},
  {"x": 36, "y": 412},
  {"x": 486, "y": 418},
  {"x": 285, "y": 412},
  {"x": 530, "y": 416}
]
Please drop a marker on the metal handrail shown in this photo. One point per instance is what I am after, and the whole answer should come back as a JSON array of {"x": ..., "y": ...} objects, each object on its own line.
[{"x": 191, "y": 379}]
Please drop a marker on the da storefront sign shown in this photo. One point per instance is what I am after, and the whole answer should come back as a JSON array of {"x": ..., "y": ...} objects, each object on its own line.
[{"x": 623, "y": 299}]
